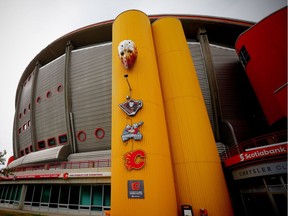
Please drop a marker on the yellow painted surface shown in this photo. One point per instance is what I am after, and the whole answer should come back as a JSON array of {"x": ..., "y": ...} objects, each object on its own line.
[
  {"x": 199, "y": 179},
  {"x": 157, "y": 174}
]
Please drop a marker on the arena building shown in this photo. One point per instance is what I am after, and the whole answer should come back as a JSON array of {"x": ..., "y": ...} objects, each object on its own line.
[{"x": 65, "y": 123}]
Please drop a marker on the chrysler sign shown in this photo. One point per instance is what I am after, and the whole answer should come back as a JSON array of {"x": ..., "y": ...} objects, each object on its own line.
[{"x": 260, "y": 170}]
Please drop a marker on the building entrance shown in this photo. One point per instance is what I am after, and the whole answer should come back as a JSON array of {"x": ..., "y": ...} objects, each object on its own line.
[{"x": 265, "y": 195}]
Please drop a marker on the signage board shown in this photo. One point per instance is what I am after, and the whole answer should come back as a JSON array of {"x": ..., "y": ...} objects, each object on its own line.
[
  {"x": 265, "y": 151},
  {"x": 260, "y": 170},
  {"x": 135, "y": 189},
  {"x": 87, "y": 175}
]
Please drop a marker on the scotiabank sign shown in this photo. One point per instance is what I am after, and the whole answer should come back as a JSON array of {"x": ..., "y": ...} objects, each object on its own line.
[{"x": 257, "y": 154}]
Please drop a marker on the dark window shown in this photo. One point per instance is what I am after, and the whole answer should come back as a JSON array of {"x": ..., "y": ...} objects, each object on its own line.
[
  {"x": 62, "y": 139},
  {"x": 6, "y": 192},
  {"x": 36, "y": 195},
  {"x": 107, "y": 195},
  {"x": 24, "y": 111},
  {"x": 29, "y": 193},
  {"x": 19, "y": 130},
  {"x": 273, "y": 180},
  {"x": 27, "y": 150},
  {"x": 20, "y": 115},
  {"x": 24, "y": 127},
  {"x": 45, "y": 193},
  {"x": 54, "y": 196},
  {"x": 31, "y": 148},
  {"x": 22, "y": 152},
  {"x": 13, "y": 194},
  {"x": 17, "y": 198},
  {"x": 284, "y": 177},
  {"x": 281, "y": 203},
  {"x": 244, "y": 56},
  {"x": 51, "y": 142},
  {"x": 8, "y": 197},
  {"x": 64, "y": 194},
  {"x": 96, "y": 196},
  {"x": 41, "y": 144},
  {"x": 74, "y": 197}
]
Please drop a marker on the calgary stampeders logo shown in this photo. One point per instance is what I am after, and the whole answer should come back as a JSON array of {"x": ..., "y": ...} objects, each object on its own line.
[{"x": 135, "y": 159}]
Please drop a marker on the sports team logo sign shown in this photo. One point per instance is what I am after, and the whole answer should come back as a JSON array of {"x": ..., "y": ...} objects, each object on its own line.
[
  {"x": 135, "y": 159},
  {"x": 127, "y": 52},
  {"x": 131, "y": 106},
  {"x": 135, "y": 189},
  {"x": 132, "y": 132}
]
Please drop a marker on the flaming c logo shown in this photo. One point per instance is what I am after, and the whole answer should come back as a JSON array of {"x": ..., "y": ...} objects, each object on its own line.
[
  {"x": 135, "y": 186},
  {"x": 135, "y": 159}
]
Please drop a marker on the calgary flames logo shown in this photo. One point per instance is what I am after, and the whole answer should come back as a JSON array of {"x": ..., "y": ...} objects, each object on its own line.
[
  {"x": 127, "y": 52},
  {"x": 135, "y": 185},
  {"x": 135, "y": 159}
]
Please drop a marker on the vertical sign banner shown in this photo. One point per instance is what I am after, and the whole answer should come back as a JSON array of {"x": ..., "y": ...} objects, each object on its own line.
[{"x": 135, "y": 189}]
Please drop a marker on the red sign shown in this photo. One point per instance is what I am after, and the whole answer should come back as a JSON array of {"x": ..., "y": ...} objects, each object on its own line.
[
  {"x": 85, "y": 175},
  {"x": 257, "y": 153},
  {"x": 135, "y": 159},
  {"x": 32, "y": 176}
]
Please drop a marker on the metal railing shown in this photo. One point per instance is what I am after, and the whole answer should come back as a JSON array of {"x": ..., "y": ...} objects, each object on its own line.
[{"x": 259, "y": 141}]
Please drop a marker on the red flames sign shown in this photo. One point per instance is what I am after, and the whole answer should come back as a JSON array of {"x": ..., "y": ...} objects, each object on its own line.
[{"x": 135, "y": 159}]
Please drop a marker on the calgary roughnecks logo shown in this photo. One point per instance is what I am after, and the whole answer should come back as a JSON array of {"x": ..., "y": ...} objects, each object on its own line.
[{"x": 132, "y": 132}]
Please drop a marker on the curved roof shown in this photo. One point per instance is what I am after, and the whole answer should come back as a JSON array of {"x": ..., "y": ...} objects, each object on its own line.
[
  {"x": 220, "y": 31},
  {"x": 58, "y": 153}
]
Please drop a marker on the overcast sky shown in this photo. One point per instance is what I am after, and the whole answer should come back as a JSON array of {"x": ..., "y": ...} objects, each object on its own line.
[{"x": 28, "y": 26}]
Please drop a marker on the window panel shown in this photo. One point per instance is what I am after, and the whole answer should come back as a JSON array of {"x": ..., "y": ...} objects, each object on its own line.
[
  {"x": 74, "y": 197},
  {"x": 29, "y": 193},
  {"x": 13, "y": 192},
  {"x": 36, "y": 195},
  {"x": 18, "y": 194},
  {"x": 54, "y": 196},
  {"x": 7, "y": 192},
  {"x": 45, "y": 193},
  {"x": 1, "y": 191},
  {"x": 64, "y": 194},
  {"x": 51, "y": 142},
  {"x": 96, "y": 195},
  {"x": 85, "y": 195},
  {"x": 107, "y": 195}
]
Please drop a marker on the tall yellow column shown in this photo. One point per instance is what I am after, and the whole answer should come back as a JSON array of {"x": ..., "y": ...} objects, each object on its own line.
[
  {"x": 157, "y": 194},
  {"x": 199, "y": 179}
]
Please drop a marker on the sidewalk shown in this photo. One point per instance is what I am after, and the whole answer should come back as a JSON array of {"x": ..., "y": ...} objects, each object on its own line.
[{"x": 15, "y": 212}]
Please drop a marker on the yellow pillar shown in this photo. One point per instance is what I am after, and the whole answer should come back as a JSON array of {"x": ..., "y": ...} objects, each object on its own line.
[
  {"x": 156, "y": 175},
  {"x": 199, "y": 180}
]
